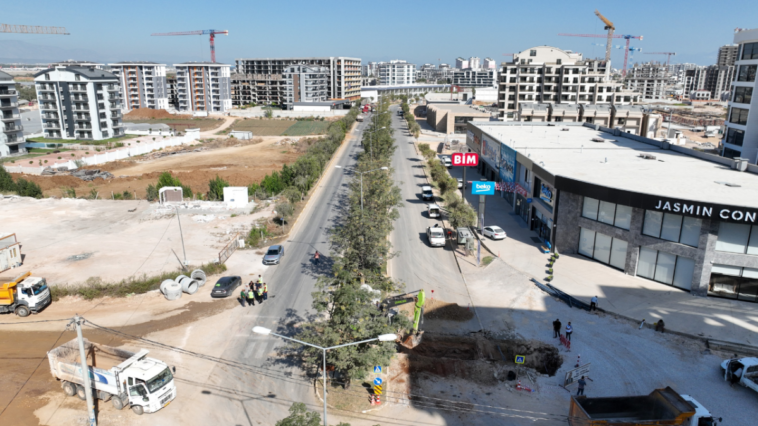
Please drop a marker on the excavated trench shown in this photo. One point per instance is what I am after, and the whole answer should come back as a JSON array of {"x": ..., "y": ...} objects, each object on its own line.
[{"x": 480, "y": 358}]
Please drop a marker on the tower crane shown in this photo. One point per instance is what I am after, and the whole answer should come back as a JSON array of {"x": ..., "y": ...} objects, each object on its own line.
[
  {"x": 200, "y": 32},
  {"x": 608, "y": 26},
  {"x": 608, "y": 45},
  {"x": 32, "y": 29},
  {"x": 668, "y": 58}
]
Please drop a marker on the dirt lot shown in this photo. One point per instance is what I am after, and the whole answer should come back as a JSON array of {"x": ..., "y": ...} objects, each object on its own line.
[
  {"x": 177, "y": 122},
  {"x": 240, "y": 166}
]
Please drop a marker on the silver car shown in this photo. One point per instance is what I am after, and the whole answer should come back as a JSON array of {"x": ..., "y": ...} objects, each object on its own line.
[{"x": 273, "y": 255}]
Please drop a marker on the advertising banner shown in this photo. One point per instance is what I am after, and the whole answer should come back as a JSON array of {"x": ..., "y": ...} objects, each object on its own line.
[
  {"x": 483, "y": 188},
  {"x": 507, "y": 164},
  {"x": 465, "y": 159},
  {"x": 490, "y": 151},
  {"x": 473, "y": 141},
  {"x": 546, "y": 193}
]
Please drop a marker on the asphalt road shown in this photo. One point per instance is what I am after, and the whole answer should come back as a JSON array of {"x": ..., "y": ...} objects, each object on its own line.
[{"x": 269, "y": 392}]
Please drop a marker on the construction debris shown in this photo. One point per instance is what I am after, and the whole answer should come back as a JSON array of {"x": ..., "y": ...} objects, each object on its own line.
[{"x": 90, "y": 175}]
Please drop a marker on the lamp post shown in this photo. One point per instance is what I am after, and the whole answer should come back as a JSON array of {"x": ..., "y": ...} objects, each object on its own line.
[
  {"x": 363, "y": 173},
  {"x": 382, "y": 338},
  {"x": 371, "y": 140}
]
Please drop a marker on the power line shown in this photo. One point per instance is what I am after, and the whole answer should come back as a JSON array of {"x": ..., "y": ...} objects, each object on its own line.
[{"x": 35, "y": 322}]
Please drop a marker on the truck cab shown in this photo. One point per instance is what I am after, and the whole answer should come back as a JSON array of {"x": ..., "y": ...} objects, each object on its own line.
[
  {"x": 149, "y": 384},
  {"x": 741, "y": 370},
  {"x": 23, "y": 294}
]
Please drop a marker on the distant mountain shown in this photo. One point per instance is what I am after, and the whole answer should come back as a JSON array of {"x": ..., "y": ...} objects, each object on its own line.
[{"x": 13, "y": 51}]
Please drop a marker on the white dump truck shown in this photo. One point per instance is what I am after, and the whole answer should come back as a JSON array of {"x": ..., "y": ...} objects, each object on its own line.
[
  {"x": 123, "y": 377},
  {"x": 741, "y": 370},
  {"x": 23, "y": 294}
]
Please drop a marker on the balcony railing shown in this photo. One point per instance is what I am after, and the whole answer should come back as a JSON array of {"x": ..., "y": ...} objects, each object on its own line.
[
  {"x": 8, "y": 93},
  {"x": 13, "y": 128},
  {"x": 51, "y": 125},
  {"x": 10, "y": 117},
  {"x": 82, "y": 118},
  {"x": 7, "y": 105}
]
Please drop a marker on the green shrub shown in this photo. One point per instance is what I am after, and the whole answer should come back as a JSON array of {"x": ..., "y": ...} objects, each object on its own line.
[
  {"x": 151, "y": 193},
  {"x": 216, "y": 188}
]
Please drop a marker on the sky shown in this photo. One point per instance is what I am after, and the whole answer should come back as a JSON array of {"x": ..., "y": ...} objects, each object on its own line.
[{"x": 416, "y": 31}]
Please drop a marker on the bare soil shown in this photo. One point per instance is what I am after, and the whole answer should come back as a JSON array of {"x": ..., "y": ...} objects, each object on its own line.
[{"x": 147, "y": 113}]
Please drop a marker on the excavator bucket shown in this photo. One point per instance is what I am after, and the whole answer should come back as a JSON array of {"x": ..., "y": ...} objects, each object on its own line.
[{"x": 411, "y": 340}]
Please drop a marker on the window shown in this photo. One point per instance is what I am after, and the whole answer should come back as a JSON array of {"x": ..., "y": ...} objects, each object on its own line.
[
  {"x": 601, "y": 247},
  {"x": 743, "y": 95},
  {"x": 750, "y": 51},
  {"x": 738, "y": 115},
  {"x": 737, "y": 238},
  {"x": 666, "y": 268},
  {"x": 77, "y": 77},
  {"x": 731, "y": 153},
  {"x": 734, "y": 282},
  {"x": 622, "y": 121},
  {"x": 672, "y": 227},
  {"x": 734, "y": 136},
  {"x": 610, "y": 213},
  {"x": 747, "y": 73},
  {"x": 589, "y": 119},
  {"x": 558, "y": 62}
]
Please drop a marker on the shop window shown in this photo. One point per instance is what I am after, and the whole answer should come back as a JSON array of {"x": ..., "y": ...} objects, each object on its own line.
[
  {"x": 601, "y": 247},
  {"x": 734, "y": 282},
  {"x": 672, "y": 227},
  {"x": 602, "y": 211},
  {"x": 737, "y": 238},
  {"x": 666, "y": 268}
]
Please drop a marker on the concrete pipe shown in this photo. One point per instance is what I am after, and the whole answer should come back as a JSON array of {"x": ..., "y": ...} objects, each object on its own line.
[
  {"x": 165, "y": 284},
  {"x": 191, "y": 288},
  {"x": 179, "y": 278},
  {"x": 199, "y": 276},
  {"x": 173, "y": 291},
  {"x": 186, "y": 282}
]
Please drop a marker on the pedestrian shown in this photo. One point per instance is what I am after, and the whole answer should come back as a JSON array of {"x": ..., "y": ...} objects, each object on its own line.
[
  {"x": 259, "y": 293},
  {"x": 593, "y": 304},
  {"x": 316, "y": 257},
  {"x": 243, "y": 297},
  {"x": 582, "y": 384},
  {"x": 660, "y": 326},
  {"x": 556, "y": 328},
  {"x": 250, "y": 297},
  {"x": 569, "y": 330},
  {"x": 265, "y": 291},
  {"x": 260, "y": 280}
]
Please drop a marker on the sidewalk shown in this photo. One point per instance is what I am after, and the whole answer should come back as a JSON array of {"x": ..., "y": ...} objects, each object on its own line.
[{"x": 633, "y": 297}]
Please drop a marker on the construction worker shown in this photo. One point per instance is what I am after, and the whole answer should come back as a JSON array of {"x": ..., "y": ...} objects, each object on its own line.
[
  {"x": 265, "y": 291},
  {"x": 418, "y": 310},
  {"x": 260, "y": 280},
  {"x": 259, "y": 293},
  {"x": 250, "y": 296}
]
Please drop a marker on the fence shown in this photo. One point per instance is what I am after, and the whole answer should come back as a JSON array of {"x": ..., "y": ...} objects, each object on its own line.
[
  {"x": 119, "y": 154},
  {"x": 229, "y": 250}
]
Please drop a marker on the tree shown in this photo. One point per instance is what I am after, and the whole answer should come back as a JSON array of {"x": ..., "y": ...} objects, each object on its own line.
[
  {"x": 216, "y": 188},
  {"x": 301, "y": 183},
  {"x": 292, "y": 194},
  {"x": 261, "y": 193},
  {"x": 300, "y": 416},
  {"x": 284, "y": 209},
  {"x": 273, "y": 183},
  {"x": 26, "y": 92},
  {"x": 6, "y": 181},
  {"x": 27, "y": 188},
  {"x": 267, "y": 112},
  {"x": 460, "y": 214},
  {"x": 166, "y": 179}
]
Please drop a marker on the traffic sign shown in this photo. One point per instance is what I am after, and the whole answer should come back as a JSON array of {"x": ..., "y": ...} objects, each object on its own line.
[
  {"x": 378, "y": 381},
  {"x": 520, "y": 359},
  {"x": 574, "y": 375},
  {"x": 378, "y": 390},
  {"x": 482, "y": 188},
  {"x": 465, "y": 159},
  {"x": 377, "y": 369}
]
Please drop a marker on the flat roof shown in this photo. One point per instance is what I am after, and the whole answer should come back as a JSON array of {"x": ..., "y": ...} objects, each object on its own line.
[
  {"x": 89, "y": 72},
  {"x": 616, "y": 162},
  {"x": 297, "y": 58},
  {"x": 5, "y": 76},
  {"x": 457, "y": 109},
  {"x": 136, "y": 63}
]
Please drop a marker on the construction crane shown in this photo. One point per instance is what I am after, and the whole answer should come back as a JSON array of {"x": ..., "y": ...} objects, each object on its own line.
[
  {"x": 32, "y": 29},
  {"x": 668, "y": 59},
  {"x": 608, "y": 26},
  {"x": 608, "y": 45},
  {"x": 200, "y": 32}
]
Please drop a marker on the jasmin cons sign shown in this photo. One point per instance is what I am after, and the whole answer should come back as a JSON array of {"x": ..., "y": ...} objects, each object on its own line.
[{"x": 728, "y": 213}]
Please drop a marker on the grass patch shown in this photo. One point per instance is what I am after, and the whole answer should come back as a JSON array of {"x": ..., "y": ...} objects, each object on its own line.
[
  {"x": 487, "y": 260},
  {"x": 264, "y": 127},
  {"x": 354, "y": 399},
  {"x": 95, "y": 288},
  {"x": 305, "y": 128}
]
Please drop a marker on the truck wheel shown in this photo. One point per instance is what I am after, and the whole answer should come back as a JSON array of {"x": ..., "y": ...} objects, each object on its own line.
[
  {"x": 80, "y": 392},
  {"x": 69, "y": 389},
  {"x": 118, "y": 404},
  {"x": 22, "y": 311},
  {"x": 138, "y": 410}
]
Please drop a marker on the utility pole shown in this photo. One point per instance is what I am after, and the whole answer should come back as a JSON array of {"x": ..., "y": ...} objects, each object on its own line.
[
  {"x": 85, "y": 372},
  {"x": 184, "y": 252}
]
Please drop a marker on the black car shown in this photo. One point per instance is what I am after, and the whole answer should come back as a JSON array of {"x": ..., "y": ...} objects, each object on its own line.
[{"x": 225, "y": 286}]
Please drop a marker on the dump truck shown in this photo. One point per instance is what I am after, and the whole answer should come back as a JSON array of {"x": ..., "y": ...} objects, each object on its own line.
[
  {"x": 127, "y": 379},
  {"x": 660, "y": 407},
  {"x": 741, "y": 370},
  {"x": 23, "y": 294},
  {"x": 359, "y": 118}
]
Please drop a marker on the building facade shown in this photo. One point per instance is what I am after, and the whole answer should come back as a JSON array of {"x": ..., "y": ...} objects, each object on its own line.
[
  {"x": 741, "y": 134},
  {"x": 547, "y": 74},
  {"x": 344, "y": 76},
  {"x": 143, "y": 84},
  {"x": 79, "y": 103},
  {"x": 650, "y": 80},
  {"x": 475, "y": 78},
  {"x": 203, "y": 87},
  {"x": 305, "y": 84},
  {"x": 12, "y": 136},
  {"x": 396, "y": 73},
  {"x": 461, "y": 63},
  {"x": 173, "y": 95},
  {"x": 489, "y": 63},
  {"x": 599, "y": 203},
  {"x": 474, "y": 63},
  {"x": 727, "y": 55}
]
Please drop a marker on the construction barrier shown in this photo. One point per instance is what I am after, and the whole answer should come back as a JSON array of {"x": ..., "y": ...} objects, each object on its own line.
[{"x": 566, "y": 342}]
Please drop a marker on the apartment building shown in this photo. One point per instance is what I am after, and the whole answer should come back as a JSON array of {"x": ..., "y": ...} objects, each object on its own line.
[
  {"x": 143, "y": 84},
  {"x": 79, "y": 103},
  {"x": 474, "y": 63},
  {"x": 203, "y": 87},
  {"x": 551, "y": 75},
  {"x": 727, "y": 55},
  {"x": 475, "y": 78},
  {"x": 80, "y": 64},
  {"x": 461, "y": 63},
  {"x": 489, "y": 63},
  {"x": 305, "y": 84},
  {"x": 715, "y": 79},
  {"x": 344, "y": 76},
  {"x": 397, "y": 73},
  {"x": 741, "y": 135},
  {"x": 12, "y": 135},
  {"x": 650, "y": 80},
  {"x": 173, "y": 96}
]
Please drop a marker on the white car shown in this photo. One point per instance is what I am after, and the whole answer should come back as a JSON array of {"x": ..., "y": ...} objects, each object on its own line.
[
  {"x": 433, "y": 210},
  {"x": 436, "y": 236},
  {"x": 460, "y": 183},
  {"x": 447, "y": 161},
  {"x": 426, "y": 193},
  {"x": 494, "y": 232}
]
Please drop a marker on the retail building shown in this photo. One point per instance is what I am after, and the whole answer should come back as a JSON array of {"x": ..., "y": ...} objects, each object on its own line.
[{"x": 669, "y": 214}]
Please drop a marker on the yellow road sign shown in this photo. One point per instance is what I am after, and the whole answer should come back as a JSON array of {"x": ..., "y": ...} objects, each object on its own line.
[{"x": 378, "y": 390}]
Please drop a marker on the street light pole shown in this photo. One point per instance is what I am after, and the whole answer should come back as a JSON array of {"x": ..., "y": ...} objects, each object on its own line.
[
  {"x": 370, "y": 140},
  {"x": 184, "y": 252},
  {"x": 382, "y": 338}
]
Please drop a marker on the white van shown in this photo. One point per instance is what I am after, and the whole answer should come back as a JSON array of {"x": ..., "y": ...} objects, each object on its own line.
[
  {"x": 436, "y": 236},
  {"x": 433, "y": 210}
]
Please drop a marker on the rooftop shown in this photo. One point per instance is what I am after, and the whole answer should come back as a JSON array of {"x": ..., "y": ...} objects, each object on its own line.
[
  {"x": 616, "y": 162},
  {"x": 136, "y": 63},
  {"x": 5, "y": 76},
  {"x": 88, "y": 72},
  {"x": 458, "y": 109},
  {"x": 201, "y": 63}
]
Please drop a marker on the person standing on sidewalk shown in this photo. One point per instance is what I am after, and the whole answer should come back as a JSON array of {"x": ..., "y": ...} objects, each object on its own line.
[
  {"x": 250, "y": 296},
  {"x": 593, "y": 304},
  {"x": 569, "y": 330},
  {"x": 556, "y": 328},
  {"x": 582, "y": 384}
]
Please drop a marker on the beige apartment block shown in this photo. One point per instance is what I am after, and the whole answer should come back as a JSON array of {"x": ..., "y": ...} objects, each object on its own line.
[{"x": 452, "y": 118}]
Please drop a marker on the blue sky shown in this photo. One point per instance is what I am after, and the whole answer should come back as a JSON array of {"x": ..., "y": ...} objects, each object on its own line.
[{"x": 417, "y": 31}]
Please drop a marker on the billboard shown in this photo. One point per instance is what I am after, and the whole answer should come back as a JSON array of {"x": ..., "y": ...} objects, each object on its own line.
[
  {"x": 507, "y": 164},
  {"x": 472, "y": 141},
  {"x": 482, "y": 188},
  {"x": 490, "y": 151},
  {"x": 465, "y": 159}
]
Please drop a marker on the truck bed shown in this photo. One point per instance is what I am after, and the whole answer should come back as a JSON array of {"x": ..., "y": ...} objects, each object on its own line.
[
  {"x": 65, "y": 363},
  {"x": 661, "y": 407}
]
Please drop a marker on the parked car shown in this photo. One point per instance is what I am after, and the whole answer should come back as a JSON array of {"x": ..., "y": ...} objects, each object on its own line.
[
  {"x": 447, "y": 161},
  {"x": 432, "y": 210},
  {"x": 225, "y": 286},
  {"x": 426, "y": 192},
  {"x": 460, "y": 183},
  {"x": 274, "y": 255},
  {"x": 494, "y": 232},
  {"x": 436, "y": 236}
]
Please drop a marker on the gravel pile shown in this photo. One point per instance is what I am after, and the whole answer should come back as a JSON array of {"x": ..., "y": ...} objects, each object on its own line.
[{"x": 89, "y": 175}]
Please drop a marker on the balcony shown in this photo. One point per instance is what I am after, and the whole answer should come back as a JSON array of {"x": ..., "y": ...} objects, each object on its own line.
[
  {"x": 51, "y": 125},
  {"x": 8, "y": 105},
  {"x": 82, "y": 118},
  {"x": 49, "y": 116},
  {"x": 112, "y": 88},
  {"x": 75, "y": 88},
  {"x": 83, "y": 127},
  {"x": 10, "y": 128},
  {"x": 114, "y": 106},
  {"x": 8, "y": 93},
  {"x": 117, "y": 125}
]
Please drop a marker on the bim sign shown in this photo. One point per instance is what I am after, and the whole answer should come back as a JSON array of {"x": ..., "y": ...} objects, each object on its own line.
[{"x": 465, "y": 159}]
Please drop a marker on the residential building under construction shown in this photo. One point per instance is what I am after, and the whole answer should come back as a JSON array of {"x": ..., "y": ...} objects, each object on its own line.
[
  {"x": 11, "y": 130},
  {"x": 143, "y": 84},
  {"x": 261, "y": 80},
  {"x": 203, "y": 87},
  {"x": 649, "y": 79}
]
